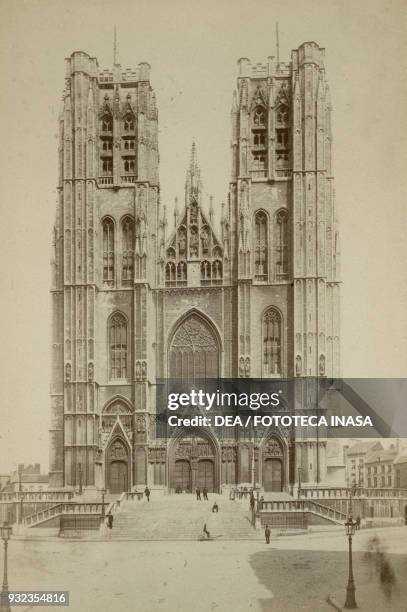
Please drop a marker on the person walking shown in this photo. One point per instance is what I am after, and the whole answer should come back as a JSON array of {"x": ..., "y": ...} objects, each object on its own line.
[
  {"x": 206, "y": 532},
  {"x": 205, "y": 493},
  {"x": 358, "y": 523},
  {"x": 198, "y": 493},
  {"x": 215, "y": 507},
  {"x": 147, "y": 493},
  {"x": 267, "y": 534}
]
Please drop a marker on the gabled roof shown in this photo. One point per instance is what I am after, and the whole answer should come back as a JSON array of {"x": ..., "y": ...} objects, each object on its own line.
[
  {"x": 381, "y": 456},
  {"x": 363, "y": 447}
]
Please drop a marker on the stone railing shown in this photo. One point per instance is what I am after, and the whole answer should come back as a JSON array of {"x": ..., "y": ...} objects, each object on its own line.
[
  {"x": 105, "y": 181},
  {"x": 343, "y": 493},
  {"x": 302, "y": 506},
  {"x": 129, "y": 178},
  {"x": 284, "y": 173},
  {"x": 258, "y": 174},
  {"x": 68, "y": 508},
  {"x": 36, "y": 496},
  {"x": 115, "y": 506}
]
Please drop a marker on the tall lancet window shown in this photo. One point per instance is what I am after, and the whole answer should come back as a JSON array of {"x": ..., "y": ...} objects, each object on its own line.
[
  {"x": 108, "y": 252},
  {"x": 282, "y": 245},
  {"x": 261, "y": 247},
  {"x": 259, "y": 142},
  {"x": 128, "y": 251},
  {"x": 118, "y": 346},
  {"x": 282, "y": 136},
  {"x": 272, "y": 343}
]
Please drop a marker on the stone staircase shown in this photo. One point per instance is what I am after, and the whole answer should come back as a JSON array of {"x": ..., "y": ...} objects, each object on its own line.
[{"x": 182, "y": 517}]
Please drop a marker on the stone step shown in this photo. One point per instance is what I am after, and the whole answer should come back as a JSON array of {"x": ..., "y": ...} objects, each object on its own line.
[{"x": 182, "y": 518}]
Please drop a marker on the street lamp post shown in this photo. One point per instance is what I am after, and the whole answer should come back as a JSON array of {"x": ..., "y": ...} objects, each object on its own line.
[
  {"x": 350, "y": 603},
  {"x": 299, "y": 481},
  {"x": 5, "y": 532}
]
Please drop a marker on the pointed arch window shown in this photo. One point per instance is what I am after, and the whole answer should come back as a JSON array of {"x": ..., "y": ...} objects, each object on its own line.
[
  {"x": 107, "y": 123},
  {"x": 128, "y": 250},
  {"x": 282, "y": 114},
  {"x": 170, "y": 274},
  {"x": 261, "y": 247},
  {"x": 194, "y": 350},
  {"x": 272, "y": 343},
  {"x": 128, "y": 123},
  {"x": 108, "y": 252},
  {"x": 118, "y": 346},
  {"x": 282, "y": 245},
  {"x": 259, "y": 143},
  {"x": 259, "y": 117}
]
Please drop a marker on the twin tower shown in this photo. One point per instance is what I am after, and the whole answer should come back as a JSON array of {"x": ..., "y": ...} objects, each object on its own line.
[{"x": 252, "y": 291}]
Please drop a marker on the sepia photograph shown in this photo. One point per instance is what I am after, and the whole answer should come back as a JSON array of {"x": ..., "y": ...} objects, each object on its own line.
[{"x": 204, "y": 305}]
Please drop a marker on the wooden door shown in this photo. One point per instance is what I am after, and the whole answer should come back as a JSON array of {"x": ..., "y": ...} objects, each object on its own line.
[
  {"x": 276, "y": 475},
  {"x": 118, "y": 477},
  {"x": 182, "y": 475},
  {"x": 272, "y": 475},
  {"x": 206, "y": 475}
]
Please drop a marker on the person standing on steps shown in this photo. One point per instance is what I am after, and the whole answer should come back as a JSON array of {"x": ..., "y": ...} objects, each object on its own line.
[
  {"x": 198, "y": 493},
  {"x": 205, "y": 493},
  {"x": 147, "y": 493},
  {"x": 267, "y": 534}
]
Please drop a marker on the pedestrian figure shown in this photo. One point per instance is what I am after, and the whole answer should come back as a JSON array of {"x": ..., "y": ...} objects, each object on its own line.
[
  {"x": 267, "y": 534},
  {"x": 387, "y": 578},
  {"x": 358, "y": 523},
  {"x": 205, "y": 493},
  {"x": 147, "y": 493},
  {"x": 252, "y": 502},
  {"x": 110, "y": 521},
  {"x": 215, "y": 507},
  {"x": 198, "y": 493},
  {"x": 206, "y": 532}
]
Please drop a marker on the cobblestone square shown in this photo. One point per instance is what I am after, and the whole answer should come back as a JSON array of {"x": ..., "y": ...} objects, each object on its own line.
[{"x": 293, "y": 573}]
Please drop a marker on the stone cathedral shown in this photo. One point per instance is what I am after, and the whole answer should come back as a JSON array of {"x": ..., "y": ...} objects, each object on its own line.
[{"x": 252, "y": 291}]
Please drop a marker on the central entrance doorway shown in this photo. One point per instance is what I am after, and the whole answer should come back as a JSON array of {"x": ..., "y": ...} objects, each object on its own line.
[
  {"x": 193, "y": 462},
  {"x": 206, "y": 474},
  {"x": 183, "y": 476}
]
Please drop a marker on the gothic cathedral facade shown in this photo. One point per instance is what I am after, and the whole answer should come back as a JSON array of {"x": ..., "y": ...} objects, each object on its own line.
[{"x": 250, "y": 292}]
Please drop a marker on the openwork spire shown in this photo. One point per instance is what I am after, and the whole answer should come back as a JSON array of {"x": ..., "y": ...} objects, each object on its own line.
[
  {"x": 115, "y": 61},
  {"x": 193, "y": 186}
]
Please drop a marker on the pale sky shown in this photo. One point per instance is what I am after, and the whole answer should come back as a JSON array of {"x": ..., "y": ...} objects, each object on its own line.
[{"x": 193, "y": 47}]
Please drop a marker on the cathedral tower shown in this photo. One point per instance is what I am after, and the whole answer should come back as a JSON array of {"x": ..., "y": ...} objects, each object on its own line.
[
  {"x": 282, "y": 200},
  {"x": 106, "y": 223}
]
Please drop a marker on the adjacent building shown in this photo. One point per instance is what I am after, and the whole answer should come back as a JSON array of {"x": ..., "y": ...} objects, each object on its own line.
[{"x": 356, "y": 459}]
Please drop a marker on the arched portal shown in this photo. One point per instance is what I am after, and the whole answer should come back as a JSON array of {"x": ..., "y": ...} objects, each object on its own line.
[
  {"x": 273, "y": 469},
  {"x": 193, "y": 462},
  {"x": 194, "y": 350},
  {"x": 117, "y": 466}
]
